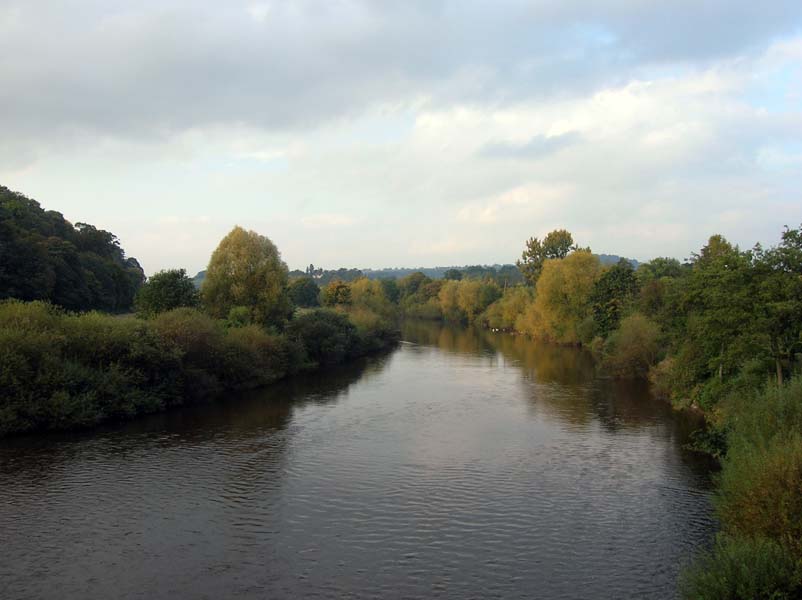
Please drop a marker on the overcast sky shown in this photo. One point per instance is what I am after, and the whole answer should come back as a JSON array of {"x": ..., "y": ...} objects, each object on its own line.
[{"x": 409, "y": 132}]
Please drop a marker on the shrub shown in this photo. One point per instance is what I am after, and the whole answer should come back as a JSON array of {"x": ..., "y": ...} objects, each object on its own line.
[
  {"x": 328, "y": 337},
  {"x": 760, "y": 490},
  {"x": 743, "y": 569},
  {"x": 633, "y": 348}
]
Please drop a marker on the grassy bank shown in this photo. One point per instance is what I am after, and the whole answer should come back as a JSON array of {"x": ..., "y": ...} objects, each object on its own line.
[{"x": 60, "y": 370}]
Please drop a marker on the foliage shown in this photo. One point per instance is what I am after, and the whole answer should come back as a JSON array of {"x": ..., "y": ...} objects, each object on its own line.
[
  {"x": 633, "y": 348},
  {"x": 503, "y": 313},
  {"x": 562, "y": 299},
  {"x": 612, "y": 294},
  {"x": 743, "y": 569},
  {"x": 304, "y": 292},
  {"x": 165, "y": 291},
  {"x": 44, "y": 257},
  {"x": 327, "y": 336},
  {"x": 60, "y": 370},
  {"x": 453, "y": 274},
  {"x": 391, "y": 290},
  {"x": 246, "y": 270},
  {"x": 336, "y": 293},
  {"x": 556, "y": 245}
]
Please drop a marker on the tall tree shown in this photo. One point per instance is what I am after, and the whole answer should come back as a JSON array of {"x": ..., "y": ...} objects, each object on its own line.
[
  {"x": 304, "y": 292},
  {"x": 556, "y": 245},
  {"x": 562, "y": 299},
  {"x": 246, "y": 270},
  {"x": 612, "y": 293},
  {"x": 779, "y": 309}
]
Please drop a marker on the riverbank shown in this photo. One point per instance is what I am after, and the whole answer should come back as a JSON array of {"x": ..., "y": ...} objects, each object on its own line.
[{"x": 60, "y": 370}]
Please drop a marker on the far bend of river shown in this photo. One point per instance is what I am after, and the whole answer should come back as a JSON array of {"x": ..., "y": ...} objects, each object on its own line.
[{"x": 465, "y": 464}]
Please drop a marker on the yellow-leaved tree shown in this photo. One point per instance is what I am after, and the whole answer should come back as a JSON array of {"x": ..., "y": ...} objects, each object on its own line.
[
  {"x": 562, "y": 299},
  {"x": 246, "y": 271}
]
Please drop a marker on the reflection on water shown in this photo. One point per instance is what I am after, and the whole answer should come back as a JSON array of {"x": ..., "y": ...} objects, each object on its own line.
[{"x": 465, "y": 464}]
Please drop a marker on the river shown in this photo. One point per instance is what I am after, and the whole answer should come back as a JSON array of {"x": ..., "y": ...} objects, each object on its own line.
[{"x": 465, "y": 464}]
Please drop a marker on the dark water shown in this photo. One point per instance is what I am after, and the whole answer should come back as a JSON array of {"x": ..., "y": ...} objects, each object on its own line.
[{"x": 463, "y": 465}]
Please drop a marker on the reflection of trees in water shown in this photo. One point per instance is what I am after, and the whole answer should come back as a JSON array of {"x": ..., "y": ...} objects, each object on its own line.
[
  {"x": 564, "y": 380},
  {"x": 237, "y": 421}
]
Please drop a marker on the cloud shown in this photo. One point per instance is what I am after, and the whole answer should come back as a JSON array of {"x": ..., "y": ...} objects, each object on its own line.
[
  {"x": 536, "y": 147},
  {"x": 531, "y": 201},
  {"x": 325, "y": 221},
  {"x": 360, "y": 133}
]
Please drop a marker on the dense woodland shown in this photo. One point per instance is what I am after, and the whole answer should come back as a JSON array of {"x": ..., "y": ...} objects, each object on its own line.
[
  {"x": 44, "y": 257},
  {"x": 720, "y": 332}
]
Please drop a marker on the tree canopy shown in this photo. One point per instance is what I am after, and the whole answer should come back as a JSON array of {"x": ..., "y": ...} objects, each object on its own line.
[
  {"x": 557, "y": 244},
  {"x": 44, "y": 257},
  {"x": 165, "y": 291},
  {"x": 304, "y": 292},
  {"x": 246, "y": 270}
]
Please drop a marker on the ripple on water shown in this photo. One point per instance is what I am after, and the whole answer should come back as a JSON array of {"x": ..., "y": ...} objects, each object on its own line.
[{"x": 439, "y": 472}]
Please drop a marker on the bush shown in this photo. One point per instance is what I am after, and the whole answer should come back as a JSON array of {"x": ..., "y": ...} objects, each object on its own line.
[
  {"x": 328, "y": 337},
  {"x": 60, "y": 371},
  {"x": 503, "y": 313},
  {"x": 760, "y": 490},
  {"x": 743, "y": 569},
  {"x": 633, "y": 348}
]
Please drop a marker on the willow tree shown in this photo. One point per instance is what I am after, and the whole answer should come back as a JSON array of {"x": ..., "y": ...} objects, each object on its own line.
[
  {"x": 246, "y": 270},
  {"x": 562, "y": 299}
]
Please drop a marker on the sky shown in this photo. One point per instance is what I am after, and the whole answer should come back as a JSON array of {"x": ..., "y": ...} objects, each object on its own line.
[{"x": 406, "y": 132}]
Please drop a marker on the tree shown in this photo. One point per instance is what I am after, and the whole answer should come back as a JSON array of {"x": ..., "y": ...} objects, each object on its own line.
[
  {"x": 304, "y": 292},
  {"x": 165, "y": 291},
  {"x": 612, "y": 293},
  {"x": 453, "y": 274},
  {"x": 556, "y": 245},
  {"x": 246, "y": 270},
  {"x": 779, "y": 309},
  {"x": 633, "y": 348},
  {"x": 410, "y": 284},
  {"x": 562, "y": 299},
  {"x": 336, "y": 293},
  {"x": 43, "y": 257},
  {"x": 391, "y": 289}
]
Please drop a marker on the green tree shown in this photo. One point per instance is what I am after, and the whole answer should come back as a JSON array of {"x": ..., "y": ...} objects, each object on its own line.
[
  {"x": 391, "y": 290},
  {"x": 453, "y": 274},
  {"x": 43, "y": 257},
  {"x": 779, "y": 309},
  {"x": 304, "y": 292},
  {"x": 246, "y": 270},
  {"x": 165, "y": 291},
  {"x": 557, "y": 244},
  {"x": 612, "y": 293}
]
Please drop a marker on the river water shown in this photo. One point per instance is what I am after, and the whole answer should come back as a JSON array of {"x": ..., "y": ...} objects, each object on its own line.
[{"x": 465, "y": 464}]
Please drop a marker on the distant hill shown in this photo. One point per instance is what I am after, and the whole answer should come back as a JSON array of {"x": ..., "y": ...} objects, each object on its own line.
[
  {"x": 45, "y": 257},
  {"x": 611, "y": 259},
  {"x": 198, "y": 279}
]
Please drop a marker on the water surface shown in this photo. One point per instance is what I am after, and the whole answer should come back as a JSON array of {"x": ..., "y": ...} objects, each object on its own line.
[{"x": 465, "y": 464}]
